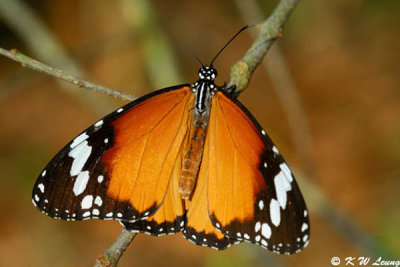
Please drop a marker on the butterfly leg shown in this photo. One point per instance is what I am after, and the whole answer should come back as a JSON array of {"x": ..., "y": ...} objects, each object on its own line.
[{"x": 230, "y": 90}]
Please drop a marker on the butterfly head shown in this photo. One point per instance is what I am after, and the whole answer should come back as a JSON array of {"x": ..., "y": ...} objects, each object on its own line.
[{"x": 207, "y": 73}]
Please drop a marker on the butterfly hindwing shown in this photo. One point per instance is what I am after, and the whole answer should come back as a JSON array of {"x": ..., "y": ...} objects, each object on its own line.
[
  {"x": 199, "y": 228},
  {"x": 253, "y": 195},
  {"x": 119, "y": 168},
  {"x": 170, "y": 217}
]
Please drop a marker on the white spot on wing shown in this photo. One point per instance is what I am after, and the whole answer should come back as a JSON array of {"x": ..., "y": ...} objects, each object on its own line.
[
  {"x": 264, "y": 243},
  {"x": 284, "y": 167},
  {"x": 275, "y": 212},
  {"x": 87, "y": 202},
  {"x": 261, "y": 204},
  {"x": 119, "y": 215},
  {"x": 79, "y": 139},
  {"x": 36, "y": 198},
  {"x": 262, "y": 132},
  {"x": 81, "y": 182},
  {"x": 80, "y": 154},
  {"x": 305, "y": 213},
  {"x": 44, "y": 173},
  {"x": 257, "y": 227},
  {"x": 99, "y": 123},
  {"x": 304, "y": 227},
  {"x": 110, "y": 214},
  {"x": 305, "y": 238},
  {"x": 266, "y": 230},
  {"x": 86, "y": 214},
  {"x": 98, "y": 201},
  {"x": 258, "y": 238},
  {"x": 100, "y": 178},
  {"x": 120, "y": 110},
  {"x": 275, "y": 150},
  {"x": 41, "y": 187},
  {"x": 95, "y": 212},
  {"x": 282, "y": 185}
]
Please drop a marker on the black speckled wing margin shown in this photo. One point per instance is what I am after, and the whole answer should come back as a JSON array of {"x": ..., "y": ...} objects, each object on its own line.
[
  {"x": 252, "y": 194},
  {"x": 96, "y": 175}
]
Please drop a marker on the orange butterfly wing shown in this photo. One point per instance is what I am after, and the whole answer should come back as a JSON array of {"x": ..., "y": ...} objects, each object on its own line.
[
  {"x": 170, "y": 217},
  {"x": 243, "y": 164},
  {"x": 120, "y": 167},
  {"x": 199, "y": 228}
]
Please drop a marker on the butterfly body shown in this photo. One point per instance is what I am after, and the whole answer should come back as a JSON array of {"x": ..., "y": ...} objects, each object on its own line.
[
  {"x": 190, "y": 159},
  {"x": 203, "y": 89}
]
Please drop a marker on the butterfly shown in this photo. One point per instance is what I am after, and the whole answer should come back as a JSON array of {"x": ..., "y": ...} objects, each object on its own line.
[{"x": 189, "y": 158}]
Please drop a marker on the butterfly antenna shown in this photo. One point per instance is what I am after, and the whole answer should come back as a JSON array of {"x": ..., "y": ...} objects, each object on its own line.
[
  {"x": 194, "y": 54},
  {"x": 220, "y": 51}
]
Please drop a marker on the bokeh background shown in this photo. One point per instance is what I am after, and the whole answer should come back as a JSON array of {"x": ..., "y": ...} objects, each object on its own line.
[{"x": 329, "y": 98}]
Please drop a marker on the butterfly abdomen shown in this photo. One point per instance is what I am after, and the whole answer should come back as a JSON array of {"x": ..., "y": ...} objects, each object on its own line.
[
  {"x": 192, "y": 156},
  {"x": 194, "y": 150}
]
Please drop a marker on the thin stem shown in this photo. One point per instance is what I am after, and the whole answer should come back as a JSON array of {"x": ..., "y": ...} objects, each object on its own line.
[
  {"x": 112, "y": 255},
  {"x": 38, "y": 66},
  {"x": 270, "y": 30}
]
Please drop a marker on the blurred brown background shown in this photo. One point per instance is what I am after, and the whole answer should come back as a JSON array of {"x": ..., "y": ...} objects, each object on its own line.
[{"x": 344, "y": 60}]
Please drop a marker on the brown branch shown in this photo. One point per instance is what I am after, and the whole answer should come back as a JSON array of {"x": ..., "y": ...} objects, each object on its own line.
[
  {"x": 270, "y": 31},
  {"x": 112, "y": 255},
  {"x": 38, "y": 66}
]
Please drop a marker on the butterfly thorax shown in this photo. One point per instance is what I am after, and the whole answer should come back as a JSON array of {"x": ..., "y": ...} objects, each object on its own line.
[{"x": 204, "y": 89}]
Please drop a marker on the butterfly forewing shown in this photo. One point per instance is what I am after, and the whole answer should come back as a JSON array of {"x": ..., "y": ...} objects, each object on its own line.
[
  {"x": 119, "y": 168},
  {"x": 252, "y": 195}
]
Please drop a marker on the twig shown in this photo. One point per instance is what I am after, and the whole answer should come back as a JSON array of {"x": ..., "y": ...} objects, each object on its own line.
[
  {"x": 112, "y": 255},
  {"x": 43, "y": 44},
  {"x": 38, "y": 66},
  {"x": 270, "y": 30}
]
